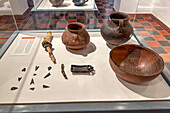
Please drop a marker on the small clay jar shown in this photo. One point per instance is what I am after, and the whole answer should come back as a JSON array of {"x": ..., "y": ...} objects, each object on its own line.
[
  {"x": 56, "y": 3},
  {"x": 117, "y": 29},
  {"x": 75, "y": 36}
]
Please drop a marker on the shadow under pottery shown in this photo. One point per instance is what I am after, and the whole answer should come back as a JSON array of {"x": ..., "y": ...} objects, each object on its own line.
[
  {"x": 147, "y": 89},
  {"x": 128, "y": 42},
  {"x": 84, "y": 51}
]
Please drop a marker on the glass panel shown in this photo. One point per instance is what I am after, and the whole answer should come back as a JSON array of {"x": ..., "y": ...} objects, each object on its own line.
[
  {"x": 129, "y": 7},
  {"x": 153, "y": 26},
  {"x": 7, "y": 23},
  {"x": 42, "y": 15}
]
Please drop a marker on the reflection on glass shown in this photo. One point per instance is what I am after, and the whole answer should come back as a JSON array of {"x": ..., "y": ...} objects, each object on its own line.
[
  {"x": 7, "y": 24},
  {"x": 42, "y": 15}
]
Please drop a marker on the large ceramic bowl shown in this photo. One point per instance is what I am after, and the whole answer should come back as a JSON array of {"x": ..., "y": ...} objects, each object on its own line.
[{"x": 135, "y": 64}]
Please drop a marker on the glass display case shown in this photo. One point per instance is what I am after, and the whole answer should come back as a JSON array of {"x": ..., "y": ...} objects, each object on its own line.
[{"x": 62, "y": 56}]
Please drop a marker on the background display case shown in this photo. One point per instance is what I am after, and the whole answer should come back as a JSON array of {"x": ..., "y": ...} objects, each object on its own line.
[{"x": 24, "y": 24}]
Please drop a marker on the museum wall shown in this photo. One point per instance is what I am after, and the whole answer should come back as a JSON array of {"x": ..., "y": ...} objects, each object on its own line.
[
  {"x": 159, "y": 8},
  {"x": 162, "y": 11},
  {"x": 19, "y": 6}
]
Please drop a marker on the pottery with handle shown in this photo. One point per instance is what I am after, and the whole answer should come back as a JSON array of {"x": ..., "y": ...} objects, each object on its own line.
[{"x": 117, "y": 29}]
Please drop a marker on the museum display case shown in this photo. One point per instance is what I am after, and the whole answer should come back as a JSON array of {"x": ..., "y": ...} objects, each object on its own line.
[{"x": 84, "y": 56}]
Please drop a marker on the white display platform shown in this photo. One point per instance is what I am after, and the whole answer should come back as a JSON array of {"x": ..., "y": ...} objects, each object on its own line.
[
  {"x": 67, "y": 4},
  {"x": 101, "y": 87}
]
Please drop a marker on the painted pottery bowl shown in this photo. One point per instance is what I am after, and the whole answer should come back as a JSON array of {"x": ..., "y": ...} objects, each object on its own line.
[{"x": 135, "y": 64}]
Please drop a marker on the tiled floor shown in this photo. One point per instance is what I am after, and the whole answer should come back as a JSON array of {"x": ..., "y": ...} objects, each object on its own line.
[
  {"x": 155, "y": 36},
  {"x": 150, "y": 30}
]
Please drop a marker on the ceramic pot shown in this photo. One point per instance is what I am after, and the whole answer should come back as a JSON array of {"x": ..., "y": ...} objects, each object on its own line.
[
  {"x": 135, "y": 63},
  {"x": 56, "y": 3},
  {"x": 117, "y": 29},
  {"x": 79, "y": 2},
  {"x": 75, "y": 36}
]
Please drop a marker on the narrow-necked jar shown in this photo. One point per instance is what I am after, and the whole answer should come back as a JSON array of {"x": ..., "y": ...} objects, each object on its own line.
[{"x": 117, "y": 29}]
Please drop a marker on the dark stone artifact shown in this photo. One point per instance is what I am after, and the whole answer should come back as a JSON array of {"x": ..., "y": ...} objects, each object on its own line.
[
  {"x": 19, "y": 79},
  {"x": 24, "y": 69},
  {"x": 32, "y": 81},
  {"x": 36, "y": 68},
  {"x": 14, "y": 88},
  {"x": 49, "y": 68},
  {"x": 79, "y": 2},
  {"x": 32, "y": 88},
  {"x": 136, "y": 64},
  {"x": 63, "y": 72},
  {"x": 82, "y": 69},
  {"x": 46, "y": 86},
  {"x": 49, "y": 74},
  {"x": 75, "y": 36},
  {"x": 117, "y": 29},
  {"x": 56, "y": 3}
]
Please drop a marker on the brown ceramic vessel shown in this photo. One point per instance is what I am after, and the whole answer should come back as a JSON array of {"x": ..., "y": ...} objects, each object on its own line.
[
  {"x": 75, "y": 36},
  {"x": 117, "y": 29},
  {"x": 56, "y": 3},
  {"x": 135, "y": 63}
]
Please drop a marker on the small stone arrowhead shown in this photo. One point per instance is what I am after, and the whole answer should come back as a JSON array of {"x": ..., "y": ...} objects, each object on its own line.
[
  {"x": 36, "y": 68},
  {"x": 24, "y": 69},
  {"x": 19, "y": 79},
  {"x": 32, "y": 88},
  {"x": 32, "y": 81},
  {"x": 47, "y": 75},
  {"x": 14, "y": 88},
  {"x": 46, "y": 86},
  {"x": 49, "y": 68}
]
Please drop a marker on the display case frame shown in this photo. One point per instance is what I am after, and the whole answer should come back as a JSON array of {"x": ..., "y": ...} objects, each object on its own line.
[{"x": 142, "y": 106}]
